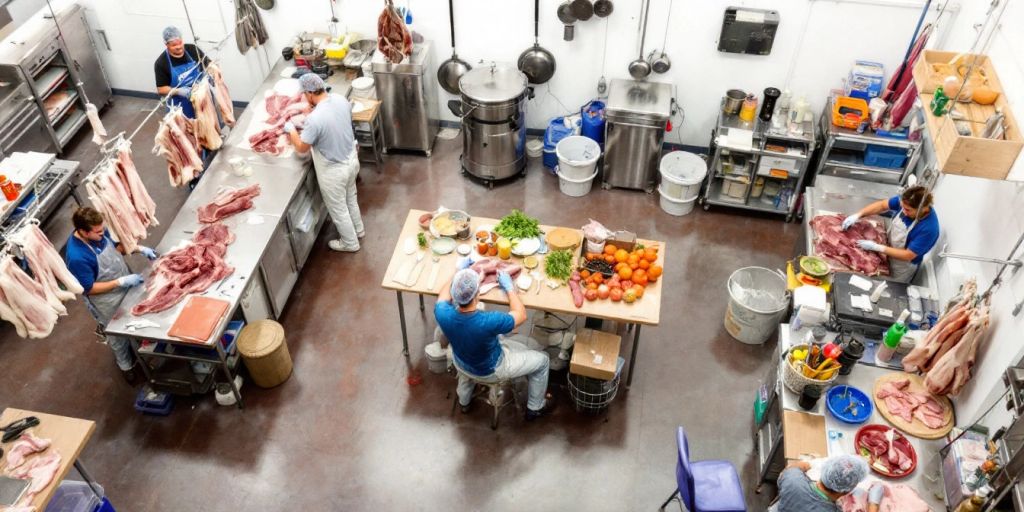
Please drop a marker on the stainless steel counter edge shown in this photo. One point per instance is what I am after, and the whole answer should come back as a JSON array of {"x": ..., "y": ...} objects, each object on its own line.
[
  {"x": 280, "y": 180},
  {"x": 840, "y": 195}
]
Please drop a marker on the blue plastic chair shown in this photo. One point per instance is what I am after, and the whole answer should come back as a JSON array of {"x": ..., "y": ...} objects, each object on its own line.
[{"x": 705, "y": 486}]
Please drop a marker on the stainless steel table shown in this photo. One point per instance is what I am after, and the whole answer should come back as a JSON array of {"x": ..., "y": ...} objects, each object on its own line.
[{"x": 832, "y": 194}]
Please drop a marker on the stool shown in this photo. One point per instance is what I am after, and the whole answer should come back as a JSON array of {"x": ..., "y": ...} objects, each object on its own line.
[
  {"x": 491, "y": 391},
  {"x": 263, "y": 348}
]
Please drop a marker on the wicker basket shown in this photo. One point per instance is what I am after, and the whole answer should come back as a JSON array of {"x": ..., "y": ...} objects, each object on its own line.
[{"x": 794, "y": 380}]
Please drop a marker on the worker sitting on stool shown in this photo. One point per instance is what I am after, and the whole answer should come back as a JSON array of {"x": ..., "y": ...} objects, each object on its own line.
[
  {"x": 98, "y": 264},
  {"x": 913, "y": 232},
  {"x": 479, "y": 347},
  {"x": 839, "y": 476}
]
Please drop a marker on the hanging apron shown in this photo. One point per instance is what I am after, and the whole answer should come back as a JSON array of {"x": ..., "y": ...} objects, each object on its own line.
[
  {"x": 111, "y": 266},
  {"x": 183, "y": 75},
  {"x": 899, "y": 270}
]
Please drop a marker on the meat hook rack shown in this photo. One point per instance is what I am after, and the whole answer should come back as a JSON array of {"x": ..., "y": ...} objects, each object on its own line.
[{"x": 998, "y": 280}]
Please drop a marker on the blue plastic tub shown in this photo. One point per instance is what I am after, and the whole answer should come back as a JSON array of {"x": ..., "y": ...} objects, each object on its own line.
[
  {"x": 75, "y": 496},
  {"x": 159, "y": 404},
  {"x": 884, "y": 156},
  {"x": 593, "y": 122},
  {"x": 555, "y": 132},
  {"x": 838, "y": 403}
]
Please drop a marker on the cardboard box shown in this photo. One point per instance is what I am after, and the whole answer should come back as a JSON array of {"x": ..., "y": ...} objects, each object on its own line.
[
  {"x": 591, "y": 343},
  {"x": 805, "y": 435}
]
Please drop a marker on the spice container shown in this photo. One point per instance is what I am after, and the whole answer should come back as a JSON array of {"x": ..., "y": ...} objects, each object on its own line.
[{"x": 8, "y": 187}]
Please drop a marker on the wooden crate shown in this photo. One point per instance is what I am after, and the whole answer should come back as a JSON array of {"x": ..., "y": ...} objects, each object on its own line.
[
  {"x": 974, "y": 156},
  {"x": 927, "y": 79}
]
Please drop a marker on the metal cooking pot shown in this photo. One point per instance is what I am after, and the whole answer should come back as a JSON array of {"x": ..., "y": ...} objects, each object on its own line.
[
  {"x": 603, "y": 8},
  {"x": 492, "y": 94},
  {"x": 568, "y": 19},
  {"x": 536, "y": 62},
  {"x": 733, "y": 101},
  {"x": 659, "y": 61},
  {"x": 583, "y": 10},
  {"x": 451, "y": 70}
]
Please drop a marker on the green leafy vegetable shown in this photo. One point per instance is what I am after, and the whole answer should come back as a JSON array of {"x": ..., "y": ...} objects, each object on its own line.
[
  {"x": 558, "y": 265},
  {"x": 517, "y": 225},
  {"x": 422, "y": 239}
]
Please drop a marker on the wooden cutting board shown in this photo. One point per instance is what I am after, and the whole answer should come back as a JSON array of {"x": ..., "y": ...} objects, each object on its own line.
[{"x": 915, "y": 428}]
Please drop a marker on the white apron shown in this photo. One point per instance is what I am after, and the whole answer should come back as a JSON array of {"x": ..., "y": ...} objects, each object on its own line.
[
  {"x": 899, "y": 270},
  {"x": 337, "y": 182},
  {"x": 111, "y": 266}
]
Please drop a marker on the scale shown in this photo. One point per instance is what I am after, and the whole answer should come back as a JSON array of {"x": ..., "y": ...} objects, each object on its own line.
[{"x": 883, "y": 314}]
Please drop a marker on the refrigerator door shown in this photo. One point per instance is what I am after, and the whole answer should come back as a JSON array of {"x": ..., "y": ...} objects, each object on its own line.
[{"x": 84, "y": 56}]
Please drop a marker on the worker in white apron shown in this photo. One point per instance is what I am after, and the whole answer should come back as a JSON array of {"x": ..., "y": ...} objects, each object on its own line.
[
  {"x": 98, "y": 264},
  {"x": 327, "y": 131},
  {"x": 913, "y": 232}
]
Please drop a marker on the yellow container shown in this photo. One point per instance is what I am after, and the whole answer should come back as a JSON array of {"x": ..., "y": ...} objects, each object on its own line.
[
  {"x": 504, "y": 248},
  {"x": 749, "y": 109}
]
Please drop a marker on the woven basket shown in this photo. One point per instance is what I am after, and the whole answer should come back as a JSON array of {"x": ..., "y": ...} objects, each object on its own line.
[{"x": 795, "y": 381}]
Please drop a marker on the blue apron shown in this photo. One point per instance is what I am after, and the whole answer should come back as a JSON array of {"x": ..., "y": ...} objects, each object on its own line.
[{"x": 184, "y": 75}]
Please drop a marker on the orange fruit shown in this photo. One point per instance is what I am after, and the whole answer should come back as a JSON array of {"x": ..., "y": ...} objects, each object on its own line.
[
  {"x": 651, "y": 255},
  {"x": 608, "y": 258},
  {"x": 621, "y": 255},
  {"x": 625, "y": 273},
  {"x": 644, "y": 264},
  {"x": 598, "y": 278},
  {"x": 638, "y": 290},
  {"x": 609, "y": 249},
  {"x": 634, "y": 266},
  {"x": 633, "y": 258},
  {"x": 585, "y": 274},
  {"x": 640, "y": 280},
  {"x": 655, "y": 271},
  {"x": 591, "y": 286}
]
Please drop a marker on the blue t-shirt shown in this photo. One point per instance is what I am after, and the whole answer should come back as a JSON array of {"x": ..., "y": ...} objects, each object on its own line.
[
  {"x": 82, "y": 259},
  {"x": 329, "y": 129},
  {"x": 923, "y": 236},
  {"x": 474, "y": 336}
]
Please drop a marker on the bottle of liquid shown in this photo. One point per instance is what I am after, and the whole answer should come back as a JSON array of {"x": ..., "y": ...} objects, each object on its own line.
[
  {"x": 781, "y": 116},
  {"x": 8, "y": 187},
  {"x": 749, "y": 108},
  {"x": 893, "y": 337},
  {"x": 504, "y": 248},
  {"x": 975, "y": 502}
]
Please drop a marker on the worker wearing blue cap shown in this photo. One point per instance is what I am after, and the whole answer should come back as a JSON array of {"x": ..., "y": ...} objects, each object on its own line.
[
  {"x": 327, "y": 131},
  {"x": 177, "y": 69},
  {"x": 480, "y": 348}
]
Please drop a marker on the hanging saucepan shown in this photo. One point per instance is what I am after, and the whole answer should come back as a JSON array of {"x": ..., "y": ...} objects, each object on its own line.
[
  {"x": 603, "y": 8},
  {"x": 583, "y": 10},
  {"x": 659, "y": 61},
  {"x": 451, "y": 70},
  {"x": 537, "y": 63},
  {"x": 567, "y": 18},
  {"x": 640, "y": 68}
]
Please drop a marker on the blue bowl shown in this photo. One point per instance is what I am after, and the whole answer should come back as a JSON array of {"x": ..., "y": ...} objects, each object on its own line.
[{"x": 838, "y": 400}]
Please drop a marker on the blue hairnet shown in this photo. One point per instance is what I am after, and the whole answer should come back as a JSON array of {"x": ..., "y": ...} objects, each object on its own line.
[
  {"x": 842, "y": 474},
  {"x": 311, "y": 82},
  {"x": 464, "y": 286},
  {"x": 171, "y": 33}
]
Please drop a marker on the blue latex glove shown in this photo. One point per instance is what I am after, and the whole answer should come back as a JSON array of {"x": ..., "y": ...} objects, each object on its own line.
[
  {"x": 129, "y": 280},
  {"x": 868, "y": 245},
  {"x": 184, "y": 92},
  {"x": 505, "y": 281},
  {"x": 147, "y": 252},
  {"x": 289, "y": 127},
  {"x": 851, "y": 220},
  {"x": 875, "y": 493},
  {"x": 463, "y": 263}
]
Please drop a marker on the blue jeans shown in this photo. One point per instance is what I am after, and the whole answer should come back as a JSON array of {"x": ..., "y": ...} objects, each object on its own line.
[
  {"x": 122, "y": 351},
  {"x": 517, "y": 360}
]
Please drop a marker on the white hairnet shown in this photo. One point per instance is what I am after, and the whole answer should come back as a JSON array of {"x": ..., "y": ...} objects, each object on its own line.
[
  {"x": 311, "y": 82},
  {"x": 464, "y": 286},
  {"x": 171, "y": 33},
  {"x": 842, "y": 473}
]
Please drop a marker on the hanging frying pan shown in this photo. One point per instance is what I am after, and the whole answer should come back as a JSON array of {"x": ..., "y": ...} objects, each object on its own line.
[
  {"x": 536, "y": 62},
  {"x": 603, "y": 8},
  {"x": 451, "y": 70}
]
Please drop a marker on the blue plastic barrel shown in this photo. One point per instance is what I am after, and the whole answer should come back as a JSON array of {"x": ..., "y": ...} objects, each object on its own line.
[{"x": 593, "y": 121}]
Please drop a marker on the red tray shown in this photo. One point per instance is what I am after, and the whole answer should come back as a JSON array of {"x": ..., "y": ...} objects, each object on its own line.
[{"x": 883, "y": 429}]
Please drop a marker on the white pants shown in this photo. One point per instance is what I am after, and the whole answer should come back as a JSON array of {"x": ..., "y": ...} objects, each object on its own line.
[
  {"x": 517, "y": 360},
  {"x": 338, "y": 187}
]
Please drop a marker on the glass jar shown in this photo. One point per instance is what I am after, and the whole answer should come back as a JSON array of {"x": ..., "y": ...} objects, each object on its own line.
[
  {"x": 504, "y": 248},
  {"x": 749, "y": 108}
]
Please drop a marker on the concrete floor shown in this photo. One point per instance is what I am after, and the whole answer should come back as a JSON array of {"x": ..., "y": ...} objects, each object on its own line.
[{"x": 351, "y": 430}]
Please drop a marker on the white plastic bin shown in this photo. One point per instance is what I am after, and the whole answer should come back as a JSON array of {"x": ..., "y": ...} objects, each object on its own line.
[
  {"x": 682, "y": 174},
  {"x": 575, "y": 188},
  {"x": 758, "y": 299},
  {"x": 534, "y": 148},
  {"x": 672, "y": 206},
  {"x": 363, "y": 87},
  {"x": 577, "y": 157}
]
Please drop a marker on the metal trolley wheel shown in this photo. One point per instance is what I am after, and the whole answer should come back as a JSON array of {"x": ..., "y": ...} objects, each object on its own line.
[{"x": 590, "y": 395}]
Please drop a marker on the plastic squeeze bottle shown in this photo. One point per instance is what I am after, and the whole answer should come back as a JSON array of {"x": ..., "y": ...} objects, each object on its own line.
[
  {"x": 892, "y": 337},
  {"x": 975, "y": 502}
]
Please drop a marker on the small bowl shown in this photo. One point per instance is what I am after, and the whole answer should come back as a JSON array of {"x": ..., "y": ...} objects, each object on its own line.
[
  {"x": 838, "y": 404},
  {"x": 464, "y": 249},
  {"x": 425, "y": 220},
  {"x": 443, "y": 245}
]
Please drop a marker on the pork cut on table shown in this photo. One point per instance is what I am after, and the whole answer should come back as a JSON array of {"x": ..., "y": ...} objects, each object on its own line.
[
  {"x": 207, "y": 125},
  {"x": 488, "y": 269},
  {"x": 895, "y": 498},
  {"x": 393, "y": 37},
  {"x": 839, "y": 248},
  {"x": 176, "y": 141},
  {"x": 222, "y": 95},
  {"x": 22, "y": 448},
  {"x": 40, "y": 469},
  {"x": 187, "y": 270},
  {"x": 280, "y": 110},
  {"x": 895, "y": 457},
  {"x": 899, "y": 400},
  {"x": 228, "y": 203},
  {"x": 117, "y": 191}
]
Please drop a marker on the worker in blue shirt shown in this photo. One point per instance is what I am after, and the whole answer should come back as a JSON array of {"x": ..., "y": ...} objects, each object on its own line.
[
  {"x": 98, "y": 264},
  {"x": 912, "y": 233}
]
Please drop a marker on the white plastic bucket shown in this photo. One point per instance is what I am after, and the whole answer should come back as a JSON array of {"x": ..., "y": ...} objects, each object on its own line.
[
  {"x": 758, "y": 299},
  {"x": 575, "y": 188},
  {"x": 534, "y": 148},
  {"x": 362, "y": 87},
  {"x": 577, "y": 157},
  {"x": 682, "y": 174},
  {"x": 672, "y": 206}
]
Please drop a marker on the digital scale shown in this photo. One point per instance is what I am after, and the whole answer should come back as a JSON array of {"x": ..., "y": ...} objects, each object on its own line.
[{"x": 883, "y": 313}]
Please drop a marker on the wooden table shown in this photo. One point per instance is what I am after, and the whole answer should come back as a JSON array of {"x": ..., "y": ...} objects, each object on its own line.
[
  {"x": 67, "y": 435},
  {"x": 646, "y": 311}
]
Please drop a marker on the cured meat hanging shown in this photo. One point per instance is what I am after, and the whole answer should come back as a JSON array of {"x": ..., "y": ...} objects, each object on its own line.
[
  {"x": 228, "y": 203},
  {"x": 23, "y": 302},
  {"x": 840, "y": 248},
  {"x": 206, "y": 124},
  {"x": 280, "y": 110},
  {"x": 57, "y": 282},
  {"x": 176, "y": 141},
  {"x": 117, "y": 191},
  {"x": 190, "y": 269},
  {"x": 222, "y": 95},
  {"x": 249, "y": 29},
  {"x": 393, "y": 37}
]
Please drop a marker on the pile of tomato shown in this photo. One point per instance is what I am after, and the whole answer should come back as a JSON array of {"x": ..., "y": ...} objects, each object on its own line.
[{"x": 634, "y": 271}]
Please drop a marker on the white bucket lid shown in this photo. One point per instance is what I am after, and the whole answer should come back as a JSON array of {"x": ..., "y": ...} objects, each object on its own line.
[
  {"x": 363, "y": 82},
  {"x": 683, "y": 168},
  {"x": 578, "y": 150}
]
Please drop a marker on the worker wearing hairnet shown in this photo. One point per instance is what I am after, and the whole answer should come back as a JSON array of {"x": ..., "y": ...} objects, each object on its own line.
[
  {"x": 328, "y": 132},
  {"x": 839, "y": 477},
  {"x": 177, "y": 69},
  {"x": 480, "y": 347}
]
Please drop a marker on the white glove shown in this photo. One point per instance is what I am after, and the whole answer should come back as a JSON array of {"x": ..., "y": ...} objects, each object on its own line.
[
  {"x": 851, "y": 220},
  {"x": 129, "y": 280},
  {"x": 868, "y": 245},
  {"x": 463, "y": 263},
  {"x": 147, "y": 252},
  {"x": 289, "y": 127},
  {"x": 184, "y": 92}
]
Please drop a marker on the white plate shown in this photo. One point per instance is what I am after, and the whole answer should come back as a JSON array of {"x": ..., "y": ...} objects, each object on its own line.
[
  {"x": 526, "y": 246},
  {"x": 443, "y": 245}
]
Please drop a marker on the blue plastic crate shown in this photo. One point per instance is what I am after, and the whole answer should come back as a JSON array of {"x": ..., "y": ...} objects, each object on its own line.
[
  {"x": 160, "y": 404},
  {"x": 227, "y": 341},
  {"x": 884, "y": 156},
  {"x": 105, "y": 506},
  {"x": 75, "y": 496}
]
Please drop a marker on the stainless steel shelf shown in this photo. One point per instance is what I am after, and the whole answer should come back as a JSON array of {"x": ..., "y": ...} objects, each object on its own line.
[
  {"x": 69, "y": 127},
  {"x": 48, "y": 81},
  {"x": 72, "y": 99}
]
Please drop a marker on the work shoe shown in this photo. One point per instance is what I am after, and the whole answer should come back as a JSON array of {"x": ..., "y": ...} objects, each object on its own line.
[
  {"x": 361, "y": 234},
  {"x": 466, "y": 408},
  {"x": 130, "y": 375},
  {"x": 531, "y": 415},
  {"x": 338, "y": 245}
]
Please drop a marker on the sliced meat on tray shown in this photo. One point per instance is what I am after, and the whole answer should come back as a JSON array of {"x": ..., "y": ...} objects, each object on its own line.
[
  {"x": 228, "y": 203},
  {"x": 900, "y": 401},
  {"x": 189, "y": 269},
  {"x": 840, "y": 248}
]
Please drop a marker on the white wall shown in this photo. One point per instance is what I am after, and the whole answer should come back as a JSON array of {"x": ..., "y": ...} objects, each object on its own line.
[
  {"x": 985, "y": 218},
  {"x": 501, "y": 30}
]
